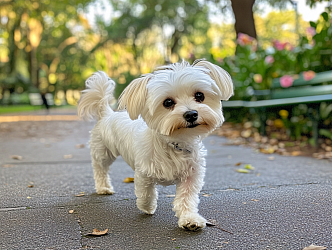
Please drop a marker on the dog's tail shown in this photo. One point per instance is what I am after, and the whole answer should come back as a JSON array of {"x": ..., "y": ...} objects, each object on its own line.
[{"x": 96, "y": 98}]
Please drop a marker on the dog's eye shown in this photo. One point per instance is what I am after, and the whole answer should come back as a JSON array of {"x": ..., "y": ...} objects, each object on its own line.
[
  {"x": 168, "y": 103},
  {"x": 199, "y": 97}
]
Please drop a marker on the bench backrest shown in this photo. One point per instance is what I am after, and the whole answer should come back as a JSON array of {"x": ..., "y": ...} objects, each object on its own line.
[
  {"x": 321, "y": 84},
  {"x": 35, "y": 99}
]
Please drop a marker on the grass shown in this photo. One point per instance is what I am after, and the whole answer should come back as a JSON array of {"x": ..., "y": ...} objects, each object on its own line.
[
  {"x": 18, "y": 108},
  {"x": 24, "y": 108}
]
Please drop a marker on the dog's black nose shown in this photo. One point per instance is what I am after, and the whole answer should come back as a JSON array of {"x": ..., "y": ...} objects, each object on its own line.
[{"x": 190, "y": 116}]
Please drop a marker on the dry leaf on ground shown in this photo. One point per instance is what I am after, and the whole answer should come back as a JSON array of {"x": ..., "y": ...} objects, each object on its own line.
[
  {"x": 30, "y": 186},
  {"x": 128, "y": 180},
  {"x": 71, "y": 211},
  {"x": 80, "y": 194},
  {"x": 97, "y": 232},
  {"x": 313, "y": 247},
  {"x": 269, "y": 150},
  {"x": 296, "y": 153},
  {"x": 206, "y": 195},
  {"x": 238, "y": 164},
  {"x": 68, "y": 156},
  {"x": 16, "y": 157},
  {"x": 248, "y": 166},
  {"x": 170, "y": 195},
  {"x": 79, "y": 146},
  {"x": 210, "y": 224},
  {"x": 243, "y": 171},
  {"x": 8, "y": 165}
]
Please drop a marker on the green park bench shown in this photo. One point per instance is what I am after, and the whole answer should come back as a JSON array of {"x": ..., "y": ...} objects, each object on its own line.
[
  {"x": 36, "y": 99},
  {"x": 311, "y": 93}
]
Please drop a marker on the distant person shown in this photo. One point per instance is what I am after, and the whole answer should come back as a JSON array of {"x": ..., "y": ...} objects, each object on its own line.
[{"x": 43, "y": 96}]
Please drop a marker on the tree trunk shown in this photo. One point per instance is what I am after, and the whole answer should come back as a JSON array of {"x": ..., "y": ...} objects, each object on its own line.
[{"x": 244, "y": 17}]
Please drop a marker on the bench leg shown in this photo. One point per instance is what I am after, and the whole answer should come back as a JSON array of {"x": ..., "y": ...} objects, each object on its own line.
[
  {"x": 314, "y": 117},
  {"x": 262, "y": 117}
]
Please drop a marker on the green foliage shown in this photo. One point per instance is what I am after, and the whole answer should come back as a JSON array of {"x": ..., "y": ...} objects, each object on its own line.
[
  {"x": 254, "y": 68},
  {"x": 35, "y": 50}
]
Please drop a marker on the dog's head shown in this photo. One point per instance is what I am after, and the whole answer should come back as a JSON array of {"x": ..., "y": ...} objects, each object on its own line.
[{"x": 179, "y": 98}]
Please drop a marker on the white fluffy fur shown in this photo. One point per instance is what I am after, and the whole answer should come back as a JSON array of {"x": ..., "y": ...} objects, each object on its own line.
[{"x": 156, "y": 141}]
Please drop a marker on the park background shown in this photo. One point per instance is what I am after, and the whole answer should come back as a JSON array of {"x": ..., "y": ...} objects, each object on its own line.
[{"x": 52, "y": 47}]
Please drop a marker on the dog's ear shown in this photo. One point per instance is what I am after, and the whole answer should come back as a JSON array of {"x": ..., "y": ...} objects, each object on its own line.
[
  {"x": 220, "y": 76},
  {"x": 133, "y": 98}
]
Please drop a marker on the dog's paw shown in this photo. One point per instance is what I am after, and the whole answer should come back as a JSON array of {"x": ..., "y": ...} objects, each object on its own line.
[
  {"x": 147, "y": 207},
  {"x": 105, "y": 190},
  {"x": 148, "y": 212},
  {"x": 192, "y": 222}
]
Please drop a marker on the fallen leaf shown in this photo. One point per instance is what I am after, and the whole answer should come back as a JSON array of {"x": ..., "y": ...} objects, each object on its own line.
[
  {"x": 68, "y": 156},
  {"x": 80, "y": 194},
  {"x": 296, "y": 153},
  {"x": 254, "y": 200},
  {"x": 269, "y": 150},
  {"x": 313, "y": 247},
  {"x": 246, "y": 133},
  {"x": 30, "y": 186},
  {"x": 244, "y": 171},
  {"x": 8, "y": 165},
  {"x": 209, "y": 224},
  {"x": 16, "y": 157},
  {"x": 238, "y": 164},
  {"x": 248, "y": 166},
  {"x": 97, "y": 232},
  {"x": 271, "y": 158},
  {"x": 206, "y": 195},
  {"x": 71, "y": 211},
  {"x": 28, "y": 197},
  {"x": 170, "y": 195},
  {"x": 79, "y": 146},
  {"x": 128, "y": 179}
]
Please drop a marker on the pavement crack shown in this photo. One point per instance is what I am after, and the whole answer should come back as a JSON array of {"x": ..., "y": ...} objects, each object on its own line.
[
  {"x": 46, "y": 162},
  {"x": 6, "y": 209},
  {"x": 247, "y": 188}
]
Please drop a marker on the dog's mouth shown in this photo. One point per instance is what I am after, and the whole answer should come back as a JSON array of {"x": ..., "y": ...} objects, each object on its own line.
[{"x": 192, "y": 125}]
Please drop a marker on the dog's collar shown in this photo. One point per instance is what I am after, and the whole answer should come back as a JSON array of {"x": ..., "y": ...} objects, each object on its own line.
[{"x": 177, "y": 147}]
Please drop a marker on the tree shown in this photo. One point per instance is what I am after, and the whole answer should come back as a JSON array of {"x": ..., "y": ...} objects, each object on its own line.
[
  {"x": 243, "y": 11},
  {"x": 36, "y": 34}
]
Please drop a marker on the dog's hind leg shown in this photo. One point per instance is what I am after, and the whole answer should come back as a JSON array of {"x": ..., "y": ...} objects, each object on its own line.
[{"x": 101, "y": 161}]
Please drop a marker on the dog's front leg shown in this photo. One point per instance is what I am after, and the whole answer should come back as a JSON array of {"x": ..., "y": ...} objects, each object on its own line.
[
  {"x": 186, "y": 201},
  {"x": 146, "y": 193}
]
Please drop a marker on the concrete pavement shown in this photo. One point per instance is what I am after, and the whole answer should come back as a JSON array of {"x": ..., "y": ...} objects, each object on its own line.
[{"x": 285, "y": 203}]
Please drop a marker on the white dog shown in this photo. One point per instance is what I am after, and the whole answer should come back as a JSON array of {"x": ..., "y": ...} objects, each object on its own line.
[{"x": 158, "y": 131}]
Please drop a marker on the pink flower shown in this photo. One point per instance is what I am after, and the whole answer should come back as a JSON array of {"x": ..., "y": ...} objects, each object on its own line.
[
  {"x": 288, "y": 46},
  {"x": 286, "y": 81},
  {"x": 308, "y": 75},
  {"x": 244, "y": 39},
  {"x": 279, "y": 45},
  {"x": 269, "y": 59},
  {"x": 220, "y": 60},
  {"x": 258, "y": 78},
  {"x": 311, "y": 31}
]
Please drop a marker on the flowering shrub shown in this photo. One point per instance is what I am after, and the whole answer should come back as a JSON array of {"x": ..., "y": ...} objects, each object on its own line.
[
  {"x": 286, "y": 81},
  {"x": 254, "y": 67}
]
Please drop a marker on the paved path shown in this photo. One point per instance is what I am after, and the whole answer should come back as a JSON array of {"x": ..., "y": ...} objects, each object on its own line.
[{"x": 285, "y": 203}]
